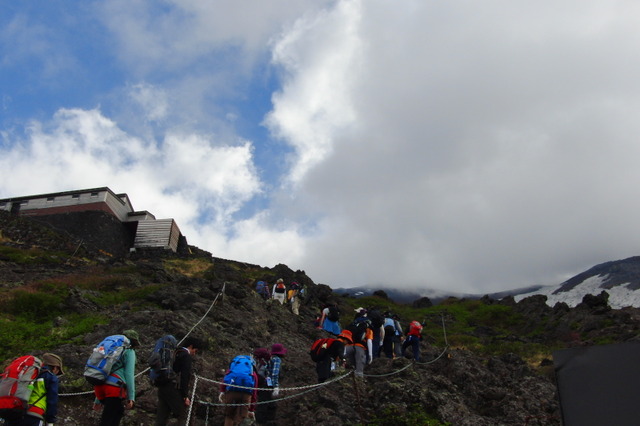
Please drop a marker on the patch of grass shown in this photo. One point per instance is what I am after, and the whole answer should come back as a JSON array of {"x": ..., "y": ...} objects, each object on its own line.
[
  {"x": 193, "y": 268},
  {"x": 32, "y": 256},
  {"x": 37, "y": 306},
  {"x": 495, "y": 316},
  {"x": 109, "y": 298},
  {"x": 26, "y": 334}
]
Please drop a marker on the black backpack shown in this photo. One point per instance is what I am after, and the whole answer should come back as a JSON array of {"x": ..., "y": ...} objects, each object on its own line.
[
  {"x": 334, "y": 314},
  {"x": 161, "y": 361},
  {"x": 376, "y": 318},
  {"x": 358, "y": 329}
]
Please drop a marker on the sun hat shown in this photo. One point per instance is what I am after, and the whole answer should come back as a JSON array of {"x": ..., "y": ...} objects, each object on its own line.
[
  {"x": 53, "y": 360},
  {"x": 278, "y": 349},
  {"x": 133, "y": 336}
]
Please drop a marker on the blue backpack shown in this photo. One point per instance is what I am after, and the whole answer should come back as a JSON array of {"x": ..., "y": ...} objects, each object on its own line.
[
  {"x": 240, "y": 374},
  {"x": 99, "y": 365},
  {"x": 261, "y": 287}
]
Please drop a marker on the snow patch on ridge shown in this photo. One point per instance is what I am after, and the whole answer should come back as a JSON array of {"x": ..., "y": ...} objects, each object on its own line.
[{"x": 620, "y": 296}]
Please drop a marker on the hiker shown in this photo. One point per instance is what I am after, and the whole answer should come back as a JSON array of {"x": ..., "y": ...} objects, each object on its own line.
[
  {"x": 242, "y": 399},
  {"x": 414, "y": 337},
  {"x": 173, "y": 396},
  {"x": 360, "y": 351},
  {"x": 279, "y": 291},
  {"x": 389, "y": 334},
  {"x": 119, "y": 391},
  {"x": 261, "y": 357},
  {"x": 43, "y": 402},
  {"x": 398, "y": 337},
  {"x": 330, "y": 319},
  {"x": 377, "y": 326},
  {"x": 266, "y": 413},
  {"x": 317, "y": 323},
  {"x": 326, "y": 353},
  {"x": 293, "y": 295},
  {"x": 262, "y": 288}
]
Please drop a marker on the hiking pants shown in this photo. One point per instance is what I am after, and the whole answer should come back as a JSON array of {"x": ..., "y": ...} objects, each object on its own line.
[
  {"x": 279, "y": 297},
  {"x": 295, "y": 305},
  {"x": 265, "y": 413},
  {"x": 415, "y": 345},
  {"x": 169, "y": 402},
  {"x": 397, "y": 346},
  {"x": 377, "y": 347},
  {"x": 235, "y": 414},
  {"x": 323, "y": 368},
  {"x": 112, "y": 411},
  {"x": 356, "y": 357},
  {"x": 387, "y": 346}
]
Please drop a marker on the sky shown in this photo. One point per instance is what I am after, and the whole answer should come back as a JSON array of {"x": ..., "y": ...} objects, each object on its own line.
[{"x": 462, "y": 146}]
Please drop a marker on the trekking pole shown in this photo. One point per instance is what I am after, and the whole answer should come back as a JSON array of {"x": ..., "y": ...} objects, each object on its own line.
[{"x": 360, "y": 413}]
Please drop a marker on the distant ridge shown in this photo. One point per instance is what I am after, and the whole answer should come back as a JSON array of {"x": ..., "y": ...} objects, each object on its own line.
[
  {"x": 436, "y": 296},
  {"x": 619, "y": 278}
]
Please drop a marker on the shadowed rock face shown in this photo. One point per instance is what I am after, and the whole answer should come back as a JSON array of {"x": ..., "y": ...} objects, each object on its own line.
[{"x": 455, "y": 386}]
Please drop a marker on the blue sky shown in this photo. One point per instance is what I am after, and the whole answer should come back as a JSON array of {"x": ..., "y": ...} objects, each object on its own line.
[{"x": 463, "y": 146}]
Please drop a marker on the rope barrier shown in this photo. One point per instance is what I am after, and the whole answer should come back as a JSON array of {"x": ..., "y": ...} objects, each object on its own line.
[
  {"x": 215, "y": 300},
  {"x": 305, "y": 390},
  {"x": 293, "y": 388}
]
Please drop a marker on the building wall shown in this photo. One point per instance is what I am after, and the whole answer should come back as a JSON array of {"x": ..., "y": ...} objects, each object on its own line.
[
  {"x": 162, "y": 233},
  {"x": 96, "y": 199},
  {"x": 63, "y": 209}
]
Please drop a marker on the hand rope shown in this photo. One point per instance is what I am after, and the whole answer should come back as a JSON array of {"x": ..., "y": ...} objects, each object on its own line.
[
  {"x": 215, "y": 300},
  {"x": 307, "y": 389},
  {"x": 316, "y": 385}
]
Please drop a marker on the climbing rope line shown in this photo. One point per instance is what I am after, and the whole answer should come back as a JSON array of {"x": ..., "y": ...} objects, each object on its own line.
[
  {"x": 215, "y": 300},
  {"x": 305, "y": 390},
  {"x": 293, "y": 388},
  {"x": 390, "y": 374},
  {"x": 208, "y": 404}
]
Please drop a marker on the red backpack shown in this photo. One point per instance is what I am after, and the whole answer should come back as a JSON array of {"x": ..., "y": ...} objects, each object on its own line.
[
  {"x": 319, "y": 349},
  {"x": 415, "y": 328},
  {"x": 16, "y": 386}
]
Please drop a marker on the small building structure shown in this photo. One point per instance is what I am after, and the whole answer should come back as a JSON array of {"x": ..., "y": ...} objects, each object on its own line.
[{"x": 147, "y": 231}]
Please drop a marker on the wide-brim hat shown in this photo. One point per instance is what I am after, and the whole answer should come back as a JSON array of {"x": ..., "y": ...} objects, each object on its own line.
[
  {"x": 53, "y": 360},
  {"x": 133, "y": 337},
  {"x": 278, "y": 349}
]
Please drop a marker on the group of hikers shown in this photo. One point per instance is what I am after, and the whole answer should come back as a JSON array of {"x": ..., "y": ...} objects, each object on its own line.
[
  {"x": 291, "y": 294},
  {"x": 368, "y": 336},
  {"x": 29, "y": 385}
]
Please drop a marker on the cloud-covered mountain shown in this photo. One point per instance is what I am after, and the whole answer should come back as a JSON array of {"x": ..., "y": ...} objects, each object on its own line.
[{"x": 619, "y": 278}]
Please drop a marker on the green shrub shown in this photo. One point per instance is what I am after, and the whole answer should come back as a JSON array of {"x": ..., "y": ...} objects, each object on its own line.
[
  {"x": 37, "y": 306},
  {"x": 26, "y": 335},
  {"x": 31, "y": 256}
]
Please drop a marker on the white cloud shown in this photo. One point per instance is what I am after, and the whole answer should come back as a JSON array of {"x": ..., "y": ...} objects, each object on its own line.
[
  {"x": 184, "y": 178},
  {"x": 461, "y": 145},
  {"x": 492, "y": 147},
  {"x": 152, "y": 100},
  {"x": 319, "y": 56}
]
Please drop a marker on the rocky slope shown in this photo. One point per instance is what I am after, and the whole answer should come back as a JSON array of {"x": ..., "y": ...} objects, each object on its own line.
[{"x": 476, "y": 375}]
